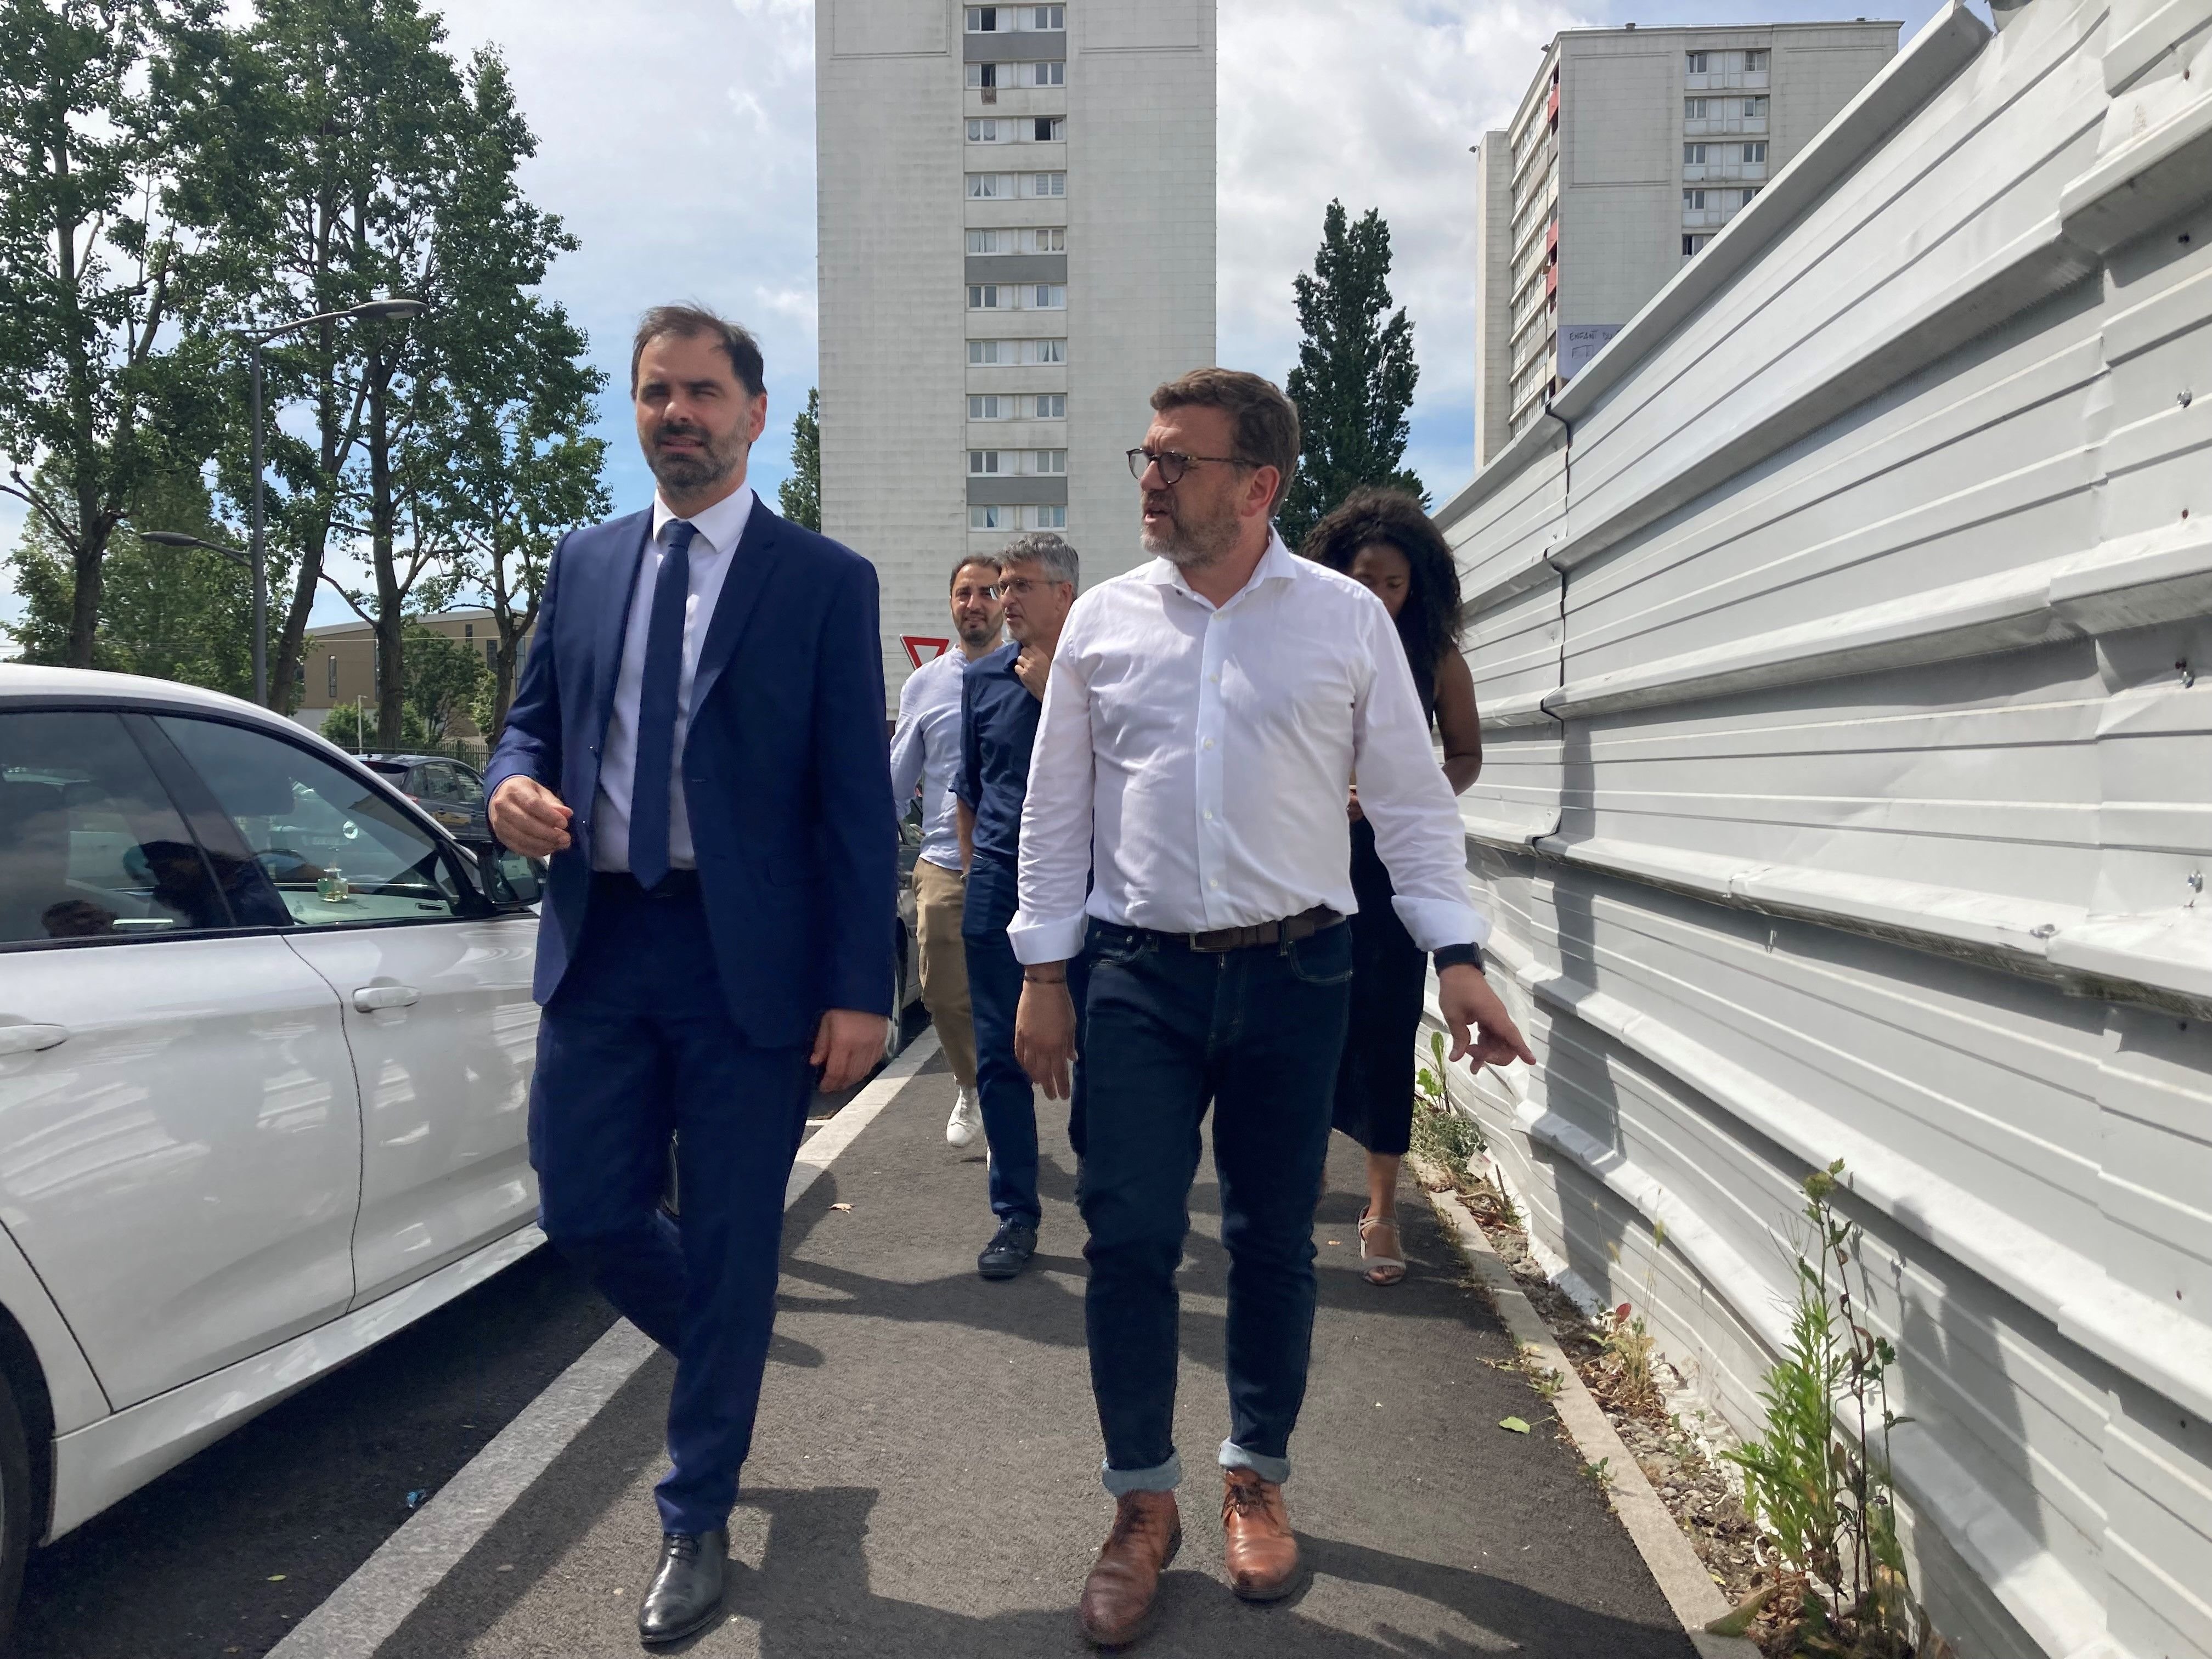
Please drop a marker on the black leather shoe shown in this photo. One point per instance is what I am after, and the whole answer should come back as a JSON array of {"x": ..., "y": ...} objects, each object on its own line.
[
  {"x": 1010, "y": 1252},
  {"x": 687, "y": 1590}
]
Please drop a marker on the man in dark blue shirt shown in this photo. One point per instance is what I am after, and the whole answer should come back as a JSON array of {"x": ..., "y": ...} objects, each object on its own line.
[{"x": 1000, "y": 700}]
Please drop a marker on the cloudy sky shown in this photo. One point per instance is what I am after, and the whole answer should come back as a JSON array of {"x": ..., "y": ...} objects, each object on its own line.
[{"x": 678, "y": 141}]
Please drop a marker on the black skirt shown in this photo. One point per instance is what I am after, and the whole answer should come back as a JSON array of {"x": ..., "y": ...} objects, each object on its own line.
[{"x": 1390, "y": 979}]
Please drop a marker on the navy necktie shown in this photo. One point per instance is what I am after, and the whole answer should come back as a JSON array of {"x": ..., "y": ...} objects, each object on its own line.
[{"x": 656, "y": 709}]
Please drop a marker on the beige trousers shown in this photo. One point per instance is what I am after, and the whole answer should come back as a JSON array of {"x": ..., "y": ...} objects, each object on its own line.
[{"x": 939, "y": 896}]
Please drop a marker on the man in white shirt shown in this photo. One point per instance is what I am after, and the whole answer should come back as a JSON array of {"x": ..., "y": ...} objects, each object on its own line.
[
  {"x": 1206, "y": 718},
  {"x": 925, "y": 750}
]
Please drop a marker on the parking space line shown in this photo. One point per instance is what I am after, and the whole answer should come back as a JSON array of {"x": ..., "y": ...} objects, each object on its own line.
[{"x": 364, "y": 1612}]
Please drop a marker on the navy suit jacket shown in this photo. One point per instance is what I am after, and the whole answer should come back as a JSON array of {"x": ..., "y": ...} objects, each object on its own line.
[{"x": 786, "y": 766}]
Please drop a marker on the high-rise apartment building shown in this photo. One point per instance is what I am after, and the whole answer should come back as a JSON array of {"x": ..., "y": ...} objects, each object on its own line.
[
  {"x": 1629, "y": 152},
  {"x": 1016, "y": 245}
]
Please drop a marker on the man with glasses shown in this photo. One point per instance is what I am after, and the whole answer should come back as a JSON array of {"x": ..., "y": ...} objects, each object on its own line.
[
  {"x": 925, "y": 750},
  {"x": 1000, "y": 694},
  {"x": 1205, "y": 716}
]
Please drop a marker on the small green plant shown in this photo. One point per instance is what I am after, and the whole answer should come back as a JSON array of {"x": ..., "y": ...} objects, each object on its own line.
[
  {"x": 1628, "y": 1347},
  {"x": 1547, "y": 1381},
  {"x": 1818, "y": 1480},
  {"x": 1600, "y": 1472}
]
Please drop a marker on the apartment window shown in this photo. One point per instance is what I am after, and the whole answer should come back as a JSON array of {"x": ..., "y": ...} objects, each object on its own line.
[
  {"x": 1700, "y": 62},
  {"x": 1049, "y": 518},
  {"x": 1046, "y": 184},
  {"x": 984, "y": 296},
  {"x": 983, "y": 75},
  {"x": 1051, "y": 127},
  {"x": 1693, "y": 201},
  {"x": 1049, "y": 74},
  {"x": 1755, "y": 109},
  {"x": 491, "y": 654},
  {"x": 1052, "y": 461},
  {"x": 1044, "y": 351},
  {"x": 1045, "y": 238},
  {"x": 991, "y": 409},
  {"x": 1691, "y": 244},
  {"x": 990, "y": 518},
  {"x": 1754, "y": 63},
  {"x": 1047, "y": 17},
  {"x": 982, "y": 462},
  {"x": 1748, "y": 193},
  {"x": 989, "y": 132},
  {"x": 989, "y": 186},
  {"x": 332, "y": 662},
  {"x": 1693, "y": 155},
  {"x": 983, "y": 241},
  {"x": 983, "y": 20},
  {"x": 1694, "y": 109},
  {"x": 1050, "y": 406},
  {"x": 1755, "y": 152},
  {"x": 986, "y": 351},
  {"x": 1046, "y": 297}
]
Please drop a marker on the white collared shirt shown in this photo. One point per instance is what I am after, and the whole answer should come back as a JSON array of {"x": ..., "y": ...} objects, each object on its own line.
[
  {"x": 719, "y": 530},
  {"x": 1202, "y": 758},
  {"x": 925, "y": 750}
]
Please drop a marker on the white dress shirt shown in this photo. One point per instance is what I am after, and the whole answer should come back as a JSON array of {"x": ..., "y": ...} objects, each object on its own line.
[
  {"x": 925, "y": 750},
  {"x": 719, "y": 530},
  {"x": 1202, "y": 758}
]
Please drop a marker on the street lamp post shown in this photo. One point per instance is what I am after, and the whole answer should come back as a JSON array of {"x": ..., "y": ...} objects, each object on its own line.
[{"x": 370, "y": 311}]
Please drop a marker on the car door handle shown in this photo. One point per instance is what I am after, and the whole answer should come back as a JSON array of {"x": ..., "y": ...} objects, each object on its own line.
[
  {"x": 29, "y": 1039},
  {"x": 370, "y": 998}
]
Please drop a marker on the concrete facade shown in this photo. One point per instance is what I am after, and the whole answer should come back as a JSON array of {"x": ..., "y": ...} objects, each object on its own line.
[
  {"x": 1017, "y": 234},
  {"x": 1631, "y": 149}
]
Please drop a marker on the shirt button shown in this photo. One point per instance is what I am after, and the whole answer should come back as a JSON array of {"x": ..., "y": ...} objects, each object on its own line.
[
  {"x": 1208, "y": 744},
  {"x": 1209, "y": 818},
  {"x": 1216, "y": 882}
]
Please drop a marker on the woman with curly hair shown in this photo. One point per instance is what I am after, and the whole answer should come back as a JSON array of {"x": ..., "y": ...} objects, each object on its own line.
[{"x": 1382, "y": 539}]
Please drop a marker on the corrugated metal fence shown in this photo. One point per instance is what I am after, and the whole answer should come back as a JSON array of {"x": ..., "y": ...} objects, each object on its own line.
[{"x": 1841, "y": 640}]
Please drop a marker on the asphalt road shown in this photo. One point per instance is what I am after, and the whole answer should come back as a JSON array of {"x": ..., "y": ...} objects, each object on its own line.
[{"x": 219, "y": 1556}]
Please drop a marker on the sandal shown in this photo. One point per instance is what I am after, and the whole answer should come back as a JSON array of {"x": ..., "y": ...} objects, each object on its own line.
[{"x": 1380, "y": 1269}]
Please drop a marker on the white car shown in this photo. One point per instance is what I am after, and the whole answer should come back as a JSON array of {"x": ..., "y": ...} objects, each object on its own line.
[{"x": 265, "y": 1047}]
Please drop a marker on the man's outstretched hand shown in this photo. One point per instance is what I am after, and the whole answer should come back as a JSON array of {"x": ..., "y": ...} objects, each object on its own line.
[
  {"x": 846, "y": 1044},
  {"x": 1468, "y": 1001},
  {"x": 529, "y": 818}
]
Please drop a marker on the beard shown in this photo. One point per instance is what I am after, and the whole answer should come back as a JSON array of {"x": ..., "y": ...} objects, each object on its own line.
[
  {"x": 1187, "y": 545},
  {"x": 686, "y": 471},
  {"x": 976, "y": 632}
]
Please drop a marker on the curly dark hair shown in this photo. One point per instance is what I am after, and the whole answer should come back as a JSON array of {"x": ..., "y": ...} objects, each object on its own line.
[{"x": 1428, "y": 623}]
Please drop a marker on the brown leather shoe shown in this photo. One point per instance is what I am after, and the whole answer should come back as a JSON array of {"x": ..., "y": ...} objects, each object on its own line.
[
  {"x": 1262, "y": 1551},
  {"x": 1118, "y": 1596}
]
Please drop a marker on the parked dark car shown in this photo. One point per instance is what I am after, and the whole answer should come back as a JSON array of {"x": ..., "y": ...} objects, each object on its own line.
[{"x": 449, "y": 791}]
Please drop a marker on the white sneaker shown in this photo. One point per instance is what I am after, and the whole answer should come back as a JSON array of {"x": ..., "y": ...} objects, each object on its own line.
[{"x": 966, "y": 1122}]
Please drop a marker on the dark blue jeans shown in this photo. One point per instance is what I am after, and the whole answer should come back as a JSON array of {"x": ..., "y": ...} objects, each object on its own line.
[
  {"x": 636, "y": 1045},
  {"x": 1255, "y": 1034},
  {"x": 1002, "y": 1088}
]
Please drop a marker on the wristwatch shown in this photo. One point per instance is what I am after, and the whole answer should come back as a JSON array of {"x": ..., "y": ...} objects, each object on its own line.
[{"x": 1456, "y": 955}]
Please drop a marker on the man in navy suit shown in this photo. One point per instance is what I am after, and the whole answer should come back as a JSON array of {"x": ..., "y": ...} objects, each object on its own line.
[{"x": 698, "y": 747}]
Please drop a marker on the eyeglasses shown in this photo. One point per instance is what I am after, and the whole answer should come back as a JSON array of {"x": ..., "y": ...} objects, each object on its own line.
[{"x": 1173, "y": 463}]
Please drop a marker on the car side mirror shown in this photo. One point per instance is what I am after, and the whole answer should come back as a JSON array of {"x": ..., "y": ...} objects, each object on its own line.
[{"x": 511, "y": 881}]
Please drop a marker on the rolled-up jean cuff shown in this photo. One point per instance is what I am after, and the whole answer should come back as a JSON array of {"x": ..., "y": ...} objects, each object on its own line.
[
  {"x": 1234, "y": 1456},
  {"x": 1161, "y": 1477}
]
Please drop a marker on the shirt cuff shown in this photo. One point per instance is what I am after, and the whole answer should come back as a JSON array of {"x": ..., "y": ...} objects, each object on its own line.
[
  {"x": 1437, "y": 922},
  {"x": 1048, "y": 941}
]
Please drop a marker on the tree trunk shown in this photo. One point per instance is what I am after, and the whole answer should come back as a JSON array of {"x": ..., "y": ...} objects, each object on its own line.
[
  {"x": 88, "y": 574},
  {"x": 383, "y": 511}
]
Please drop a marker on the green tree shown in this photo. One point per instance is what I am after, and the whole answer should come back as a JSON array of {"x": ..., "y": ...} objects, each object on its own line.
[
  {"x": 100, "y": 395},
  {"x": 354, "y": 730},
  {"x": 172, "y": 613},
  {"x": 1356, "y": 373},
  {"x": 342, "y": 127},
  {"x": 800, "y": 495},
  {"x": 515, "y": 396},
  {"x": 444, "y": 679}
]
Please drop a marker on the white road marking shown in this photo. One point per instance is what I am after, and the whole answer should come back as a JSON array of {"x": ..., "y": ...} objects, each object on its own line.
[{"x": 364, "y": 1612}]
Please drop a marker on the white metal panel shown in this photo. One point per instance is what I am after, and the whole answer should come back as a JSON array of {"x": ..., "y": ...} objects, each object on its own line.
[{"x": 1879, "y": 558}]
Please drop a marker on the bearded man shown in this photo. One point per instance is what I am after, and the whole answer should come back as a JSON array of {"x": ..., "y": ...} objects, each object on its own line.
[
  {"x": 697, "y": 746},
  {"x": 1205, "y": 718}
]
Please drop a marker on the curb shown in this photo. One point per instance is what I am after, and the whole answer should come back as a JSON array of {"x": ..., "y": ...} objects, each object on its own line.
[{"x": 1675, "y": 1566}]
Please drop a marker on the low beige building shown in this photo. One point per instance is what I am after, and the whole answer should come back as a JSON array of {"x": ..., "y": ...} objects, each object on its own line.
[{"x": 338, "y": 663}]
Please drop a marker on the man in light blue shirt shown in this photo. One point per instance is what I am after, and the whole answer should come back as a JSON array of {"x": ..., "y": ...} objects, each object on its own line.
[{"x": 925, "y": 750}]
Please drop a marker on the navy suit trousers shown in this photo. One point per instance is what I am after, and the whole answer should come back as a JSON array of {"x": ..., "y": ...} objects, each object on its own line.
[{"x": 637, "y": 1045}]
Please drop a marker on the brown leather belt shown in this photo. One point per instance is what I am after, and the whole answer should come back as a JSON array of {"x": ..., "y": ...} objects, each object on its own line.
[{"x": 1289, "y": 930}]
